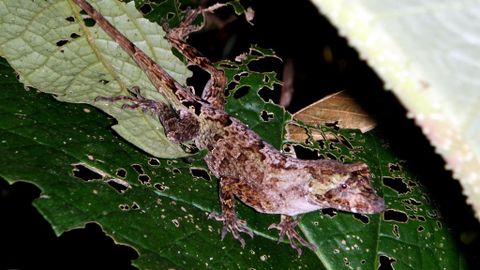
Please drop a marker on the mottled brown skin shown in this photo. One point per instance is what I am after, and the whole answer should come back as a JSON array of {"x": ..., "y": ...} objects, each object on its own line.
[{"x": 248, "y": 168}]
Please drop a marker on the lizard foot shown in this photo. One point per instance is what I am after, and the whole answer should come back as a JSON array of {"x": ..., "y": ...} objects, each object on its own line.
[
  {"x": 232, "y": 224},
  {"x": 137, "y": 101},
  {"x": 287, "y": 226}
]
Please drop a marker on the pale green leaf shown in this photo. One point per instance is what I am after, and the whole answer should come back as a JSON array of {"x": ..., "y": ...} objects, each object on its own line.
[
  {"x": 427, "y": 53},
  {"x": 51, "y": 48}
]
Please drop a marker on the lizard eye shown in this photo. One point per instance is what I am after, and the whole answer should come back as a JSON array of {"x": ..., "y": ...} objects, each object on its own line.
[{"x": 344, "y": 186}]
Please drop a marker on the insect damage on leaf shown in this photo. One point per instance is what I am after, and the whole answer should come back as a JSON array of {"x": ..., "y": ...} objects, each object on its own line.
[
  {"x": 87, "y": 172},
  {"x": 184, "y": 191}
]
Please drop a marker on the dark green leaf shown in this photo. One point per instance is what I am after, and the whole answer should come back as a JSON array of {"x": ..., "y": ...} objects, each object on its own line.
[
  {"x": 160, "y": 207},
  {"x": 163, "y": 212}
]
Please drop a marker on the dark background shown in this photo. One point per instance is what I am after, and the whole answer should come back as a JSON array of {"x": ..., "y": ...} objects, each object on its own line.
[{"x": 323, "y": 64}]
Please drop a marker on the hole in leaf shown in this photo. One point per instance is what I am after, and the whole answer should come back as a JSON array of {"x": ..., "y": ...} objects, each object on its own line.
[
  {"x": 363, "y": 261},
  {"x": 266, "y": 79},
  {"x": 417, "y": 217},
  {"x": 329, "y": 212},
  {"x": 135, "y": 206},
  {"x": 412, "y": 201},
  {"x": 321, "y": 144},
  {"x": 229, "y": 89},
  {"x": 266, "y": 116},
  {"x": 237, "y": 77},
  {"x": 386, "y": 263},
  {"x": 144, "y": 179},
  {"x": 199, "y": 79},
  {"x": 145, "y": 8},
  {"x": 331, "y": 156},
  {"x": 439, "y": 224},
  {"x": 102, "y": 81},
  {"x": 176, "y": 171},
  {"x": 84, "y": 173},
  {"x": 287, "y": 148},
  {"x": 266, "y": 94},
  {"x": 160, "y": 187},
  {"x": 394, "y": 167},
  {"x": 170, "y": 15},
  {"x": 420, "y": 228},
  {"x": 396, "y": 184},
  {"x": 198, "y": 172},
  {"x": 364, "y": 219},
  {"x": 412, "y": 184},
  {"x": 70, "y": 19},
  {"x": 243, "y": 91},
  {"x": 138, "y": 168},
  {"x": 262, "y": 64},
  {"x": 395, "y": 215},
  {"x": 305, "y": 153},
  {"x": 176, "y": 223},
  {"x": 333, "y": 125},
  {"x": 332, "y": 146},
  {"x": 154, "y": 162},
  {"x": 62, "y": 42},
  {"x": 121, "y": 173},
  {"x": 124, "y": 207},
  {"x": 396, "y": 231},
  {"x": 89, "y": 22},
  {"x": 118, "y": 185},
  {"x": 74, "y": 35},
  {"x": 345, "y": 142}
]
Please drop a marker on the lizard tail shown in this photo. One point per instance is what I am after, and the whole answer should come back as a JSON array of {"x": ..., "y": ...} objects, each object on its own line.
[{"x": 157, "y": 75}]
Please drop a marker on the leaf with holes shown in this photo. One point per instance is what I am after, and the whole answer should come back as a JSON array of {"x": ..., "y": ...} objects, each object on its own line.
[
  {"x": 54, "y": 50},
  {"x": 88, "y": 174},
  {"x": 425, "y": 52},
  {"x": 409, "y": 234},
  {"x": 249, "y": 91},
  {"x": 160, "y": 206}
]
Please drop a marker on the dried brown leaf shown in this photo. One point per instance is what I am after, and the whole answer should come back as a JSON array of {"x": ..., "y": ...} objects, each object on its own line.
[{"x": 339, "y": 108}]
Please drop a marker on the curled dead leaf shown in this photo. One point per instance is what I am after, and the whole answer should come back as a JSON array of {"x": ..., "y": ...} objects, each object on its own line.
[{"x": 339, "y": 109}]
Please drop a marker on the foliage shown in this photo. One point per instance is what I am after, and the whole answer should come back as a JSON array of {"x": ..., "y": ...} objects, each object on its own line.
[{"x": 160, "y": 206}]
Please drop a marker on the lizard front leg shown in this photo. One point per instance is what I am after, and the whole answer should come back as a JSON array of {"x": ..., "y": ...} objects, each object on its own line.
[
  {"x": 287, "y": 226},
  {"x": 213, "y": 91},
  {"x": 228, "y": 216},
  {"x": 180, "y": 126}
]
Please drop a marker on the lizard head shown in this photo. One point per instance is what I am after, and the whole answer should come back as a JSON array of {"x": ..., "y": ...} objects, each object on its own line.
[{"x": 346, "y": 187}]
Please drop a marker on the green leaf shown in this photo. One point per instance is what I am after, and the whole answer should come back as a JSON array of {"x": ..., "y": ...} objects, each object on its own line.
[
  {"x": 245, "y": 103},
  {"x": 160, "y": 207},
  {"x": 426, "y": 52},
  {"x": 52, "y": 49},
  {"x": 410, "y": 233}
]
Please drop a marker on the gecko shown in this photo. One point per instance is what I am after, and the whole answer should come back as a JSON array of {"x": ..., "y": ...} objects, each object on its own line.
[{"x": 248, "y": 168}]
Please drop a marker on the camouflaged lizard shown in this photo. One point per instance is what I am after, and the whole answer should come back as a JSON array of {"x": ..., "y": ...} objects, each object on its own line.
[{"x": 248, "y": 168}]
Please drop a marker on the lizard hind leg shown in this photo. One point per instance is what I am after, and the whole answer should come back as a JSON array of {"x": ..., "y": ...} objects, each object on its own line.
[
  {"x": 287, "y": 226},
  {"x": 214, "y": 90},
  {"x": 231, "y": 223}
]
